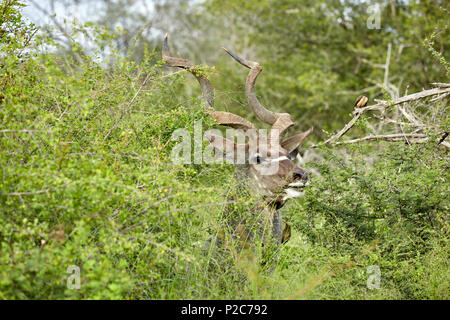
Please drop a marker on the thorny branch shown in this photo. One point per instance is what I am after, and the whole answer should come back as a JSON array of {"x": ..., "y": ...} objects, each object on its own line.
[
  {"x": 124, "y": 111},
  {"x": 62, "y": 29}
]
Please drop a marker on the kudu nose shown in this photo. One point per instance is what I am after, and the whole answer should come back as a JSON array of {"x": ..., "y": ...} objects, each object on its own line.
[{"x": 300, "y": 175}]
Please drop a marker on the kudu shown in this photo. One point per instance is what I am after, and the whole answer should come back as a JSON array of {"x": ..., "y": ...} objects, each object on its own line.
[{"x": 274, "y": 187}]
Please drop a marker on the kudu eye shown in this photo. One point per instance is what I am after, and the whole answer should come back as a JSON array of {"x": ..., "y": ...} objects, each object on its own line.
[{"x": 293, "y": 154}]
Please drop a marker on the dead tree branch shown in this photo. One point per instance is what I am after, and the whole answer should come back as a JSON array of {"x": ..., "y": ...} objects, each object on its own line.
[
  {"x": 410, "y": 97},
  {"x": 441, "y": 89},
  {"x": 387, "y": 137}
]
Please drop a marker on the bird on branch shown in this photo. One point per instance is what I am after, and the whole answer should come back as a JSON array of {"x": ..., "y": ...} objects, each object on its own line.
[{"x": 361, "y": 102}]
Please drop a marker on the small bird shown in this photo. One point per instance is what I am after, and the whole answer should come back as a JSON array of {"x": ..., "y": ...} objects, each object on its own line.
[{"x": 361, "y": 102}]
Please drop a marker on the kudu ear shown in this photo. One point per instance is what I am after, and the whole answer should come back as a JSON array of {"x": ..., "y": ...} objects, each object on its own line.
[
  {"x": 291, "y": 144},
  {"x": 223, "y": 144}
]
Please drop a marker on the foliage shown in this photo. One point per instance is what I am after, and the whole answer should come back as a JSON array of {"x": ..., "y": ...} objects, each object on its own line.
[
  {"x": 86, "y": 180},
  {"x": 399, "y": 203}
]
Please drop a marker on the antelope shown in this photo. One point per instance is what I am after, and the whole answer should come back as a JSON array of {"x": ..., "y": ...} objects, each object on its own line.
[{"x": 273, "y": 187}]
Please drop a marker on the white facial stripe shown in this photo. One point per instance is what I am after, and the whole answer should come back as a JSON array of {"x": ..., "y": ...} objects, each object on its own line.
[
  {"x": 299, "y": 184},
  {"x": 279, "y": 159},
  {"x": 291, "y": 193}
]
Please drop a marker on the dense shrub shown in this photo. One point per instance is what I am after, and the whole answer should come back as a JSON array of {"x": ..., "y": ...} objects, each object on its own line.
[
  {"x": 86, "y": 180},
  {"x": 398, "y": 207}
]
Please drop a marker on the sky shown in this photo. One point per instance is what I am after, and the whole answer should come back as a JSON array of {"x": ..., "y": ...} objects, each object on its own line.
[{"x": 61, "y": 8}]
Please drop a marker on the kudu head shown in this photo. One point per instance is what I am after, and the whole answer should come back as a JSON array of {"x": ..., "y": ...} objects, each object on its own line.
[{"x": 268, "y": 163}]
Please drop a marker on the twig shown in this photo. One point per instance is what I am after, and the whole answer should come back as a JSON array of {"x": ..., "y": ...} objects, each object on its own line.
[
  {"x": 387, "y": 137},
  {"x": 440, "y": 97},
  {"x": 408, "y": 116},
  {"x": 386, "y": 66},
  {"x": 342, "y": 132},
  {"x": 441, "y": 85},
  {"x": 29, "y": 193},
  {"x": 25, "y": 130},
  {"x": 128, "y": 106},
  {"x": 444, "y": 136},
  {"x": 27, "y": 42},
  {"x": 171, "y": 74}
]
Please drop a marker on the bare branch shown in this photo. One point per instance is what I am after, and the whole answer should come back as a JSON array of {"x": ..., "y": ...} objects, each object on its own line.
[
  {"x": 347, "y": 127},
  {"x": 387, "y": 137},
  {"x": 441, "y": 85},
  {"x": 25, "y": 130},
  {"x": 386, "y": 66},
  {"x": 29, "y": 193},
  {"x": 381, "y": 106},
  {"x": 411, "y": 97},
  {"x": 442, "y": 139}
]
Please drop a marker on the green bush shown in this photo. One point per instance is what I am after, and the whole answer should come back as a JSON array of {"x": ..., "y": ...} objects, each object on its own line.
[
  {"x": 398, "y": 206},
  {"x": 86, "y": 180}
]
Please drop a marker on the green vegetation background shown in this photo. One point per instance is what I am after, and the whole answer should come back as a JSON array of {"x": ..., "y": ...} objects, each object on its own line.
[{"x": 86, "y": 177}]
